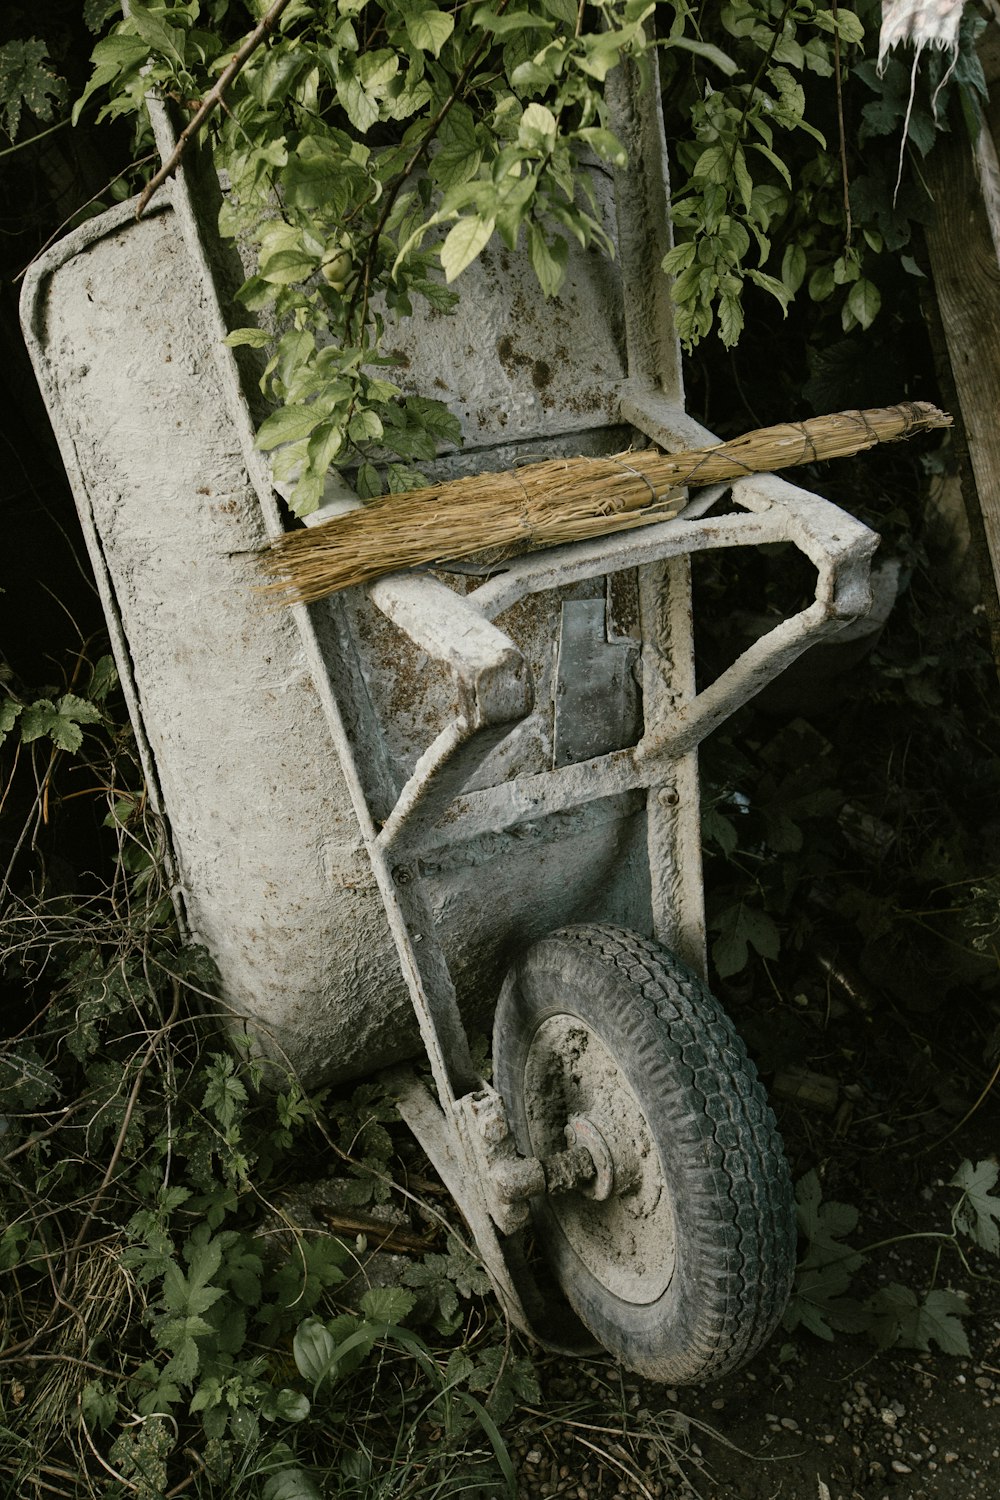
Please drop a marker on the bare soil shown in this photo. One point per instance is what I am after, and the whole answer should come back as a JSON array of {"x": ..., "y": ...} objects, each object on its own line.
[{"x": 809, "y": 1419}]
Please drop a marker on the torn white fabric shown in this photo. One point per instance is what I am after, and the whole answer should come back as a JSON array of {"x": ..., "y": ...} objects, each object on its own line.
[{"x": 925, "y": 23}]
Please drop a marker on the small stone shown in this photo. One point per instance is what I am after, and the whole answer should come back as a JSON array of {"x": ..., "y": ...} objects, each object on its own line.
[
  {"x": 951, "y": 1458},
  {"x": 533, "y": 1456},
  {"x": 790, "y": 1423},
  {"x": 899, "y": 1467},
  {"x": 888, "y": 1416},
  {"x": 984, "y": 1382}
]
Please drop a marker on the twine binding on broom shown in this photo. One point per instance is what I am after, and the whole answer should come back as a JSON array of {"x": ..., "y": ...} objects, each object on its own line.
[{"x": 557, "y": 500}]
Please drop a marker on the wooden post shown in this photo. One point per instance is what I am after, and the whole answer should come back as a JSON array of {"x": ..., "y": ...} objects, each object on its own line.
[{"x": 964, "y": 247}]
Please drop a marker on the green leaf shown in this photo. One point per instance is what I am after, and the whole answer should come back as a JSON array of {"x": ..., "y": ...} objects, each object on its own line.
[
  {"x": 463, "y": 243},
  {"x": 361, "y": 107},
  {"x": 977, "y": 1213},
  {"x": 824, "y": 1225},
  {"x": 257, "y": 338},
  {"x": 25, "y": 1082},
  {"x": 103, "y": 679},
  {"x": 27, "y": 77},
  {"x": 368, "y": 481},
  {"x": 291, "y": 1406},
  {"x": 430, "y": 29},
  {"x": 730, "y": 319},
  {"x": 291, "y": 1484},
  {"x": 549, "y": 259},
  {"x": 387, "y": 1304},
  {"x": 96, "y": 12},
  {"x": 900, "y": 1319},
  {"x": 182, "y": 1366},
  {"x": 170, "y": 41},
  {"x": 60, "y": 721},
  {"x": 740, "y": 928},
  {"x": 775, "y": 160},
  {"x": 793, "y": 268},
  {"x": 845, "y": 22},
  {"x": 287, "y": 425},
  {"x": 510, "y": 21},
  {"x": 864, "y": 302},
  {"x": 288, "y": 266},
  {"x": 314, "y": 1350},
  {"x": 818, "y": 1303},
  {"x": 712, "y": 165},
  {"x": 605, "y": 143},
  {"x": 537, "y": 130},
  {"x": 225, "y": 1094},
  {"x": 679, "y": 258},
  {"x": 99, "y": 1404},
  {"x": 772, "y": 285},
  {"x": 454, "y": 164},
  {"x": 277, "y": 76},
  {"x": 705, "y": 50},
  {"x": 821, "y": 284},
  {"x": 9, "y": 711}
]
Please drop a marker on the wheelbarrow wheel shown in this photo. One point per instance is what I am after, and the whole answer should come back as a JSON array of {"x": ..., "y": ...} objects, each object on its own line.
[{"x": 678, "y": 1253}]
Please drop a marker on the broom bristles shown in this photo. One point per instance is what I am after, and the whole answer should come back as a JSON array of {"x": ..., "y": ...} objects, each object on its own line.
[{"x": 558, "y": 500}]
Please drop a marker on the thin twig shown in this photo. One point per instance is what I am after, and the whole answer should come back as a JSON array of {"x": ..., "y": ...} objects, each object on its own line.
[
  {"x": 617, "y": 1463},
  {"x": 21, "y": 145},
  {"x": 415, "y": 159},
  {"x": 968, "y": 1113},
  {"x": 211, "y": 100},
  {"x": 123, "y": 1130},
  {"x": 848, "y": 224}
]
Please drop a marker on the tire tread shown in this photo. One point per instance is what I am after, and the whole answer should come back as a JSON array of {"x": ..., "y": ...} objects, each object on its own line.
[{"x": 718, "y": 1112}]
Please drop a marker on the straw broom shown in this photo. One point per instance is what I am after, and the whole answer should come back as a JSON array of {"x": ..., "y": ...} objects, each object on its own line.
[{"x": 559, "y": 500}]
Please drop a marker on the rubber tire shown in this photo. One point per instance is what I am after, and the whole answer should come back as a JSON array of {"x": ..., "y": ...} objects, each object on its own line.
[{"x": 718, "y": 1144}]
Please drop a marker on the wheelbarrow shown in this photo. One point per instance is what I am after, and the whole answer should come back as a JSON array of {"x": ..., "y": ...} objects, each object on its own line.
[{"x": 444, "y": 798}]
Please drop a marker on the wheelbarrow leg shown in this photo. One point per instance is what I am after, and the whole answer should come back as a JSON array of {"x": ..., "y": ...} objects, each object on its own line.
[{"x": 549, "y": 1321}]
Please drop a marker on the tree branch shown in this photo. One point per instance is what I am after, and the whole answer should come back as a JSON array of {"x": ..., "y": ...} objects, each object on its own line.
[{"x": 212, "y": 100}]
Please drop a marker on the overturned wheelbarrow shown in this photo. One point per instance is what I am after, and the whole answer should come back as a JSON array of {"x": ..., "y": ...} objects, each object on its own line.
[{"x": 443, "y": 798}]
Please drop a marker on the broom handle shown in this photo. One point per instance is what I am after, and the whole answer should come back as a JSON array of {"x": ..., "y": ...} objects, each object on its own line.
[{"x": 838, "y": 435}]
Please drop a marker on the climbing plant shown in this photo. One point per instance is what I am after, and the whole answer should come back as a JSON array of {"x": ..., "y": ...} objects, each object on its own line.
[{"x": 373, "y": 147}]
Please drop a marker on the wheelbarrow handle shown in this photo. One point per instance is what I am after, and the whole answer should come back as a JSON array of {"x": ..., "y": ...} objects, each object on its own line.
[{"x": 494, "y": 689}]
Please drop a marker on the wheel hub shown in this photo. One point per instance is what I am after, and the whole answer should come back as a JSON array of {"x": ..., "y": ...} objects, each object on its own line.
[
  {"x": 582, "y": 1131},
  {"x": 620, "y": 1222}
]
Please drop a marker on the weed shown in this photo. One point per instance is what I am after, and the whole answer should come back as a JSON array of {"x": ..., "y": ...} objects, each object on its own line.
[
  {"x": 157, "y": 1334},
  {"x": 894, "y": 1316}
]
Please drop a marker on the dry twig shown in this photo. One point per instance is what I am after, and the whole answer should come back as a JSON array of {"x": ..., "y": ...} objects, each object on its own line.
[{"x": 211, "y": 100}]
